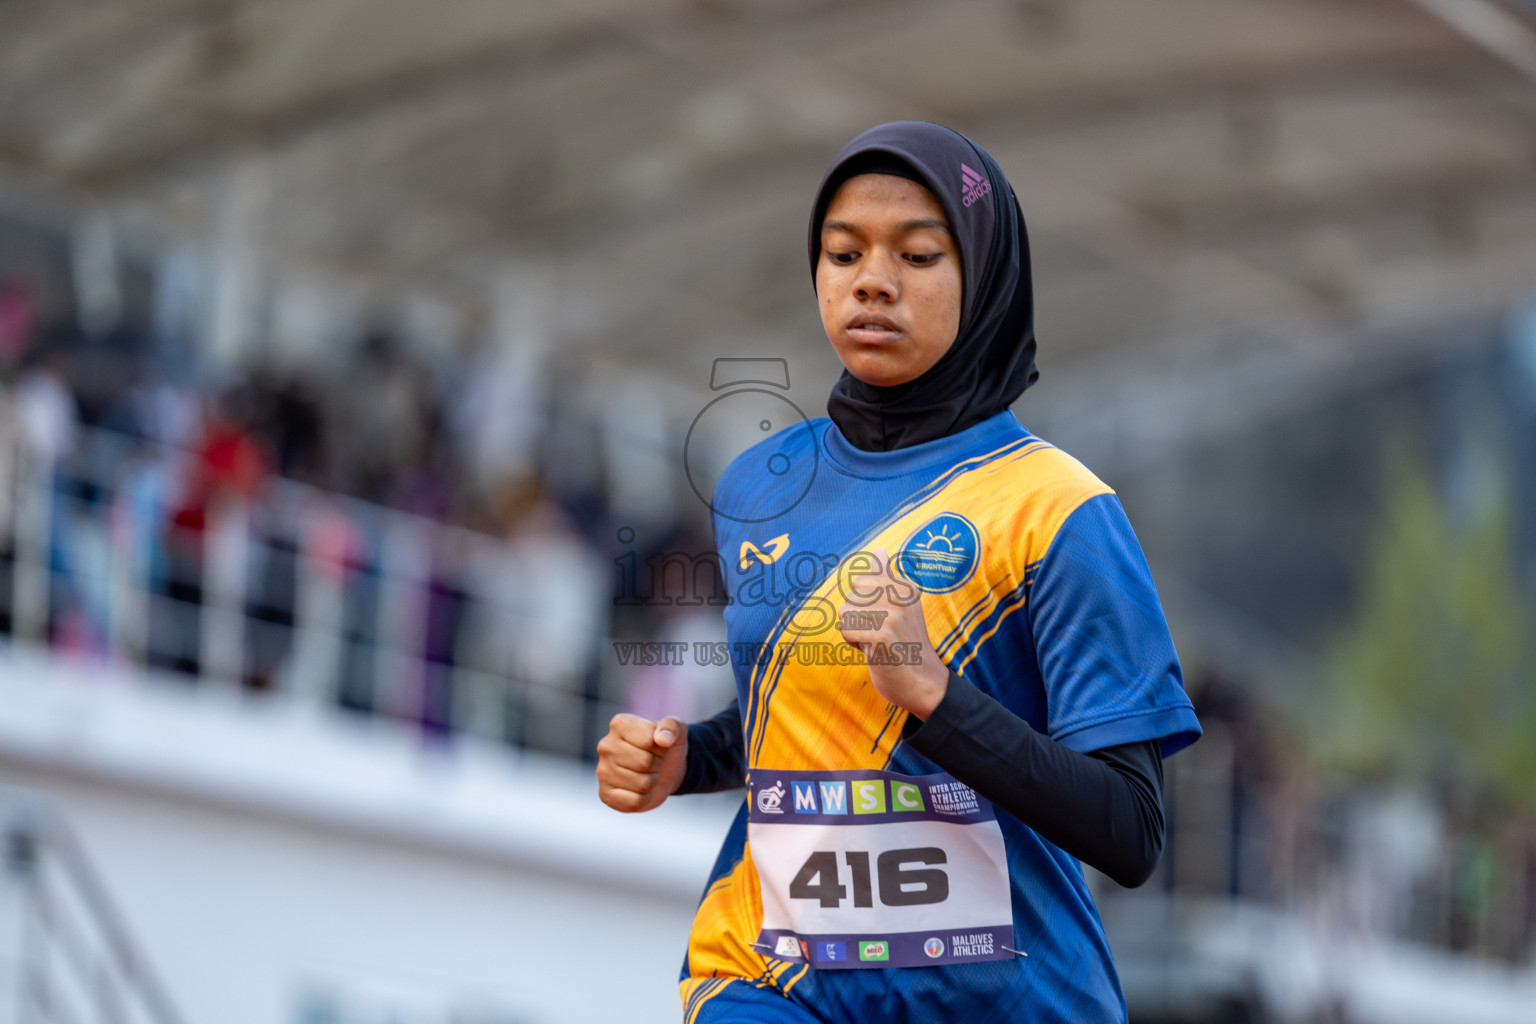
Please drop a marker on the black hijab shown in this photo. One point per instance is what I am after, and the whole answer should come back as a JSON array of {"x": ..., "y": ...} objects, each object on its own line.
[{"x": 992, "y": 359}]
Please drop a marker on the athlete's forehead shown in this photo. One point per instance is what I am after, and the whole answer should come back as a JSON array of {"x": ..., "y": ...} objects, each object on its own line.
[
  {"x": 875, "y": 201},
  {"x": 919, "y": 224}
]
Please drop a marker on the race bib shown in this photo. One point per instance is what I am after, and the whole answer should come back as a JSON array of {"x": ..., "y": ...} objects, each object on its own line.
[{"x": 875, "y": 869}]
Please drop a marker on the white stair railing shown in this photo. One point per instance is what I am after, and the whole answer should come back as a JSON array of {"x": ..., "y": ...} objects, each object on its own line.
[{"x": 66, "y": 956}]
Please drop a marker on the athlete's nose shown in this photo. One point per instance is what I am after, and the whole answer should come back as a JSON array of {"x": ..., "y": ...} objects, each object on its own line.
[{"x": 877, "y": 278}]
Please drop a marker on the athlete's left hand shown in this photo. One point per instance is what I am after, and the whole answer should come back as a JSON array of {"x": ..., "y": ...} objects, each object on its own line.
[{"x": 911, "y": 675}]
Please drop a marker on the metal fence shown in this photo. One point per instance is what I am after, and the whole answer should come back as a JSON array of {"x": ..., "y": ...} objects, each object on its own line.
[{"x": 294, "y": 593}]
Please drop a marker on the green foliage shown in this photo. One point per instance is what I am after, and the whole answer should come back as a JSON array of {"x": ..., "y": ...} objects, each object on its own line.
[{"x": 1436, "y": 676}]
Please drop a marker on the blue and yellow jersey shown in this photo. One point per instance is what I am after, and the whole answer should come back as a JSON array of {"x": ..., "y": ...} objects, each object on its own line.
[{"x": 1035, "y": 590}]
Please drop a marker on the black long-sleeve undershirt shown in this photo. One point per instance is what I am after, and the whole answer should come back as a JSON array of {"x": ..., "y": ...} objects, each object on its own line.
[
  {"x": 717, "y": 759},
  {"x": 1105, "y": 807}
]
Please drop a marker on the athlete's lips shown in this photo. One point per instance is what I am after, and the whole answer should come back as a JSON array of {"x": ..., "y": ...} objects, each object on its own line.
[{"x": 872, "y": 328}]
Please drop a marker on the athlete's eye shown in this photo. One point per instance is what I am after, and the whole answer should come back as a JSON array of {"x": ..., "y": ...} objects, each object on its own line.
[
  {"x": 923, "y": 259},
  {"x": 841, "y": 259}
]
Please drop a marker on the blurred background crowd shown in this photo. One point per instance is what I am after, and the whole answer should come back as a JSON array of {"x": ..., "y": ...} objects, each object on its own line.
[
  {"x": 353, "y": 358},
  {"x": 376, "y": 512}
]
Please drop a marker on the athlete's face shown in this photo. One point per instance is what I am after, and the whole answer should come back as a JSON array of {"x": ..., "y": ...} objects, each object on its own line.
[{"x": 888, "y": 280}]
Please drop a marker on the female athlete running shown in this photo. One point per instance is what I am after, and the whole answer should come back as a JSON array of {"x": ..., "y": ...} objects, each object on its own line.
[{"x": 918, "y": 803}]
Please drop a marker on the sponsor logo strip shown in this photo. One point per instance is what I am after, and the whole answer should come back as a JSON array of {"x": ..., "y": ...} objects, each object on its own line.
[{"x": 908, "y": 949}]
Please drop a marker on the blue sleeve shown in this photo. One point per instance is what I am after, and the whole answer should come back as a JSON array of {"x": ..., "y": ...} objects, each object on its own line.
[{"x": 1107, "y": 660}]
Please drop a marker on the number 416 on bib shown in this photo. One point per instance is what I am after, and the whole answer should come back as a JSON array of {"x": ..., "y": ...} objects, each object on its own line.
[{"x": 904, "y": 878}]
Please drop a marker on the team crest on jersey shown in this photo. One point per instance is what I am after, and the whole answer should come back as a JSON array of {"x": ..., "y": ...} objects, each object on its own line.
[{"x": 942, "y": 554}]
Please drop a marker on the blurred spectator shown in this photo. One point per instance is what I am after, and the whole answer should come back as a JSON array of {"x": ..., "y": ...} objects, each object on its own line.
[
  {"x": 446, "y": 604},
  {"x": 555, "y": 593},
  {"x": 45, "y": 410},
  {"x": 165, "y": 413},
  {"x": 231, "y": 464},
  {"x": 17, "y": 321},
  {"x": 294, "y": 429},
  {"x": 381, "y": 413}
]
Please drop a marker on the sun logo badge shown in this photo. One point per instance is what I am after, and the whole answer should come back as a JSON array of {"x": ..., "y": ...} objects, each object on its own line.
[{"x": 941, "y": 555}]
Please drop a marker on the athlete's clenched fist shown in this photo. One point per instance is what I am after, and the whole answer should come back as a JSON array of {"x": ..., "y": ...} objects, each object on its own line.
[
  {"x": 640, "y": 762},
  {"x": 884, "y": 619}
]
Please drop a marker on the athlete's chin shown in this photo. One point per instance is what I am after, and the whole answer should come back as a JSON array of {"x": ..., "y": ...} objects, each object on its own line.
[{"x": 881, "y": 369}]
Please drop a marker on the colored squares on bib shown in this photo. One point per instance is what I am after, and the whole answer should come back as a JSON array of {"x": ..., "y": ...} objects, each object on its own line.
[
  {"x": 874, "y": 951},
  {"x": 831, "y": 952},
  {"x": 906, "y": 797},
  {"x": 862, "y": 797},
  {"x": 869, "y": 796}
]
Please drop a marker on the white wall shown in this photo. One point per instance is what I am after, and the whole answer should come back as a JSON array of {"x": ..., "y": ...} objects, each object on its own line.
[{"x": 260, "y": 859}]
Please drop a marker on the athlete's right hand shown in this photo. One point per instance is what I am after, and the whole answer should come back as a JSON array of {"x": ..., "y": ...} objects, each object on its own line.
[{"x": 640, "y": 762}]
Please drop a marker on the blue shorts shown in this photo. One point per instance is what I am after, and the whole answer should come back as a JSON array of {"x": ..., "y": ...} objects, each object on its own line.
[{"x": 734, "y": 1001}]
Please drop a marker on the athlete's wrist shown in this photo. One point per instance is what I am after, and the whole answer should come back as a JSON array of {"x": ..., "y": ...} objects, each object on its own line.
[
  {"x": 929, "y": 694},
  {"x": 672, "y": 778}
]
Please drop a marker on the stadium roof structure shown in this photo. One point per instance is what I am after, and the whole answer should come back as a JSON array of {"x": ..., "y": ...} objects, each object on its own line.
[{"x": 1195, "y": 172}]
